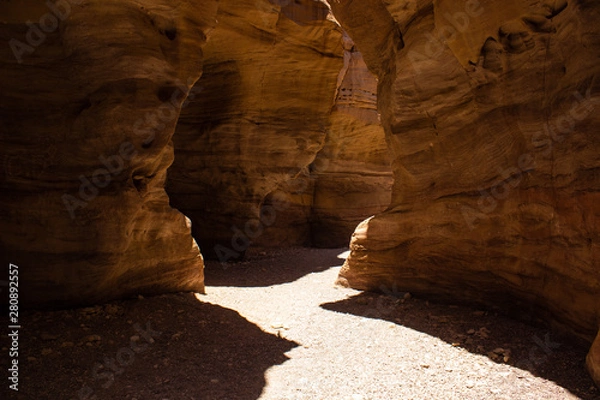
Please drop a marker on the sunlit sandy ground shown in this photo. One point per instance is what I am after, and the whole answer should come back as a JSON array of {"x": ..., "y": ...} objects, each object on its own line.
[
  {"x": 276, "y": 327},
  {"x": 354, "y": 346}
]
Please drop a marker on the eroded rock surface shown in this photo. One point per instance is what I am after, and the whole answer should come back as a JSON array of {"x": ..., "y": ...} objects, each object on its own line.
[
  {"x": 266, "y": 93},
  {"x": 278, "y": 90},
  {"x": 352, "y": 172},
  {"x": 88, "y": 111},
  {"x": 491, "y": 112}
]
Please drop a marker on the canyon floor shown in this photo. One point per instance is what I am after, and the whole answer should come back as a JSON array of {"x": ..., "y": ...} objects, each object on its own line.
[{"x": 276, "y": 327}]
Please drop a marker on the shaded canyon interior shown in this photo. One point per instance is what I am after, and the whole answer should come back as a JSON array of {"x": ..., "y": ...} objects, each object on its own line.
[{"x": 454, "y": 141}]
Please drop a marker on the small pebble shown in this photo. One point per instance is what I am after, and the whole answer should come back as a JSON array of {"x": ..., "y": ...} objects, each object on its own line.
[{"x": 48, "y": 337}]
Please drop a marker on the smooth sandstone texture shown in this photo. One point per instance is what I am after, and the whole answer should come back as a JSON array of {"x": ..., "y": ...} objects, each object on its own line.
[
  {"x": 88, "y": 111},
  {"x": 593, "y": 360},
  {"x": 266, "y": 93},
  {"x": 491, "y": 113},
  {"x": 352, "y": 171},
  {"x": 246, "y": 169}
]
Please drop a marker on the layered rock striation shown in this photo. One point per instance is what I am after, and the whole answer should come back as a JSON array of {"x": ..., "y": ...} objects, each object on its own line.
[
  {"x": 262, "y": 116},
  {"x": 352, "y": 172},
  {"x": 283, "y": 146},
  {"x": 491, "y": 113},
  {"x": 90, "y": 94}
]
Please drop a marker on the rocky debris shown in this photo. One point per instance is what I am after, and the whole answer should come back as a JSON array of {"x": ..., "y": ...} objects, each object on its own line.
[
  {"x": 93, "y": 338},
  {"x": 318, "y": 356},
  {"x": 48, "y": 337},
  {"x": 499, "y": 354},
  {"x": 593, "y": 360}
]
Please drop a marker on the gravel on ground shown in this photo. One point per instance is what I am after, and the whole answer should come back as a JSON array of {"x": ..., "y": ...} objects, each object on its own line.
[{"x": 275, "y": 327}]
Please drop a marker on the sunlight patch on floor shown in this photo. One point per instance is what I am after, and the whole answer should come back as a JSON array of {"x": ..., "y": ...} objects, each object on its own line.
[{"x": 347, "y": 356}]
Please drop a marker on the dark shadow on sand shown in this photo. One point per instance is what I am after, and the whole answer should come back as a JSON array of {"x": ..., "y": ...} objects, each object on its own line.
[
  {"x": 536, "y": 349},
  {"x": 272, "y": 269},
  {"x": 203, "y": 351}
]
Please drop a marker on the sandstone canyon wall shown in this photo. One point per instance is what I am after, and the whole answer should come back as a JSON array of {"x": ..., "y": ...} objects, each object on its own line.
[
  {"x": 249, "y": 168},
  {"x": 90, "y": 94},
  {"x": 491, "y": 110},
  {"x": 352, "y": 172}
]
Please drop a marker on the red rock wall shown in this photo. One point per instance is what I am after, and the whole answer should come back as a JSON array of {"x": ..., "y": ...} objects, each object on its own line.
[
  {"x": 267, "y": 128},
  {"x": 491, "y": 113},
  {"x": 352, "y": 172},
  {"x": 88, "y": 110}
]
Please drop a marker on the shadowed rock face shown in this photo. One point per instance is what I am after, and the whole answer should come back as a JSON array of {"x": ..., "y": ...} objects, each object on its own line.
[
  {"x": 245, "y": 168},
  {"x": 88, "y": 111},
  {"x": 491, "y": 113},
  {"x": 260, "y": 119},
  {"x": 88, "y": 114}
]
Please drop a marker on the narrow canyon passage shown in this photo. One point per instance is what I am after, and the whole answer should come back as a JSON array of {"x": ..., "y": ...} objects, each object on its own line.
[
  {"x": 275, "y": 327},
  {"x": 452, "y": 146}
]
